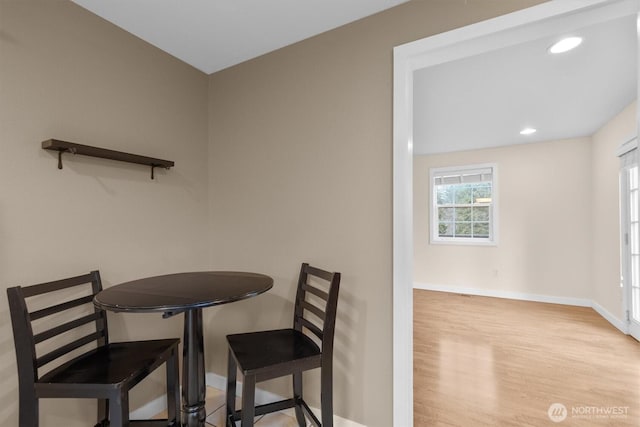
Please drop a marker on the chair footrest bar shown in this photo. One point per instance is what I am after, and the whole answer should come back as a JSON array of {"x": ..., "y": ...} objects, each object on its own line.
[
  {"x": 268, "y": 408},
  {"x": 144, "y": 423},
  {"x": 275, "y": 406},
  {"x": 151, "y": 423}
]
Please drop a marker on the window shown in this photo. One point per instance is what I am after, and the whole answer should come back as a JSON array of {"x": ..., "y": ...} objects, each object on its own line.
[{"x": 463, "y": 205}]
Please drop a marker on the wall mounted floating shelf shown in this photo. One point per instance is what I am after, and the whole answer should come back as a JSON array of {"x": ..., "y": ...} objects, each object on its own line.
[{"x": 87, "y": 150}]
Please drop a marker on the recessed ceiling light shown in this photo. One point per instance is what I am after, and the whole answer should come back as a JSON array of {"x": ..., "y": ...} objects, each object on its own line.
[
  {"x": 528, "y": 131},
  {"x": 565, "y": 45}
]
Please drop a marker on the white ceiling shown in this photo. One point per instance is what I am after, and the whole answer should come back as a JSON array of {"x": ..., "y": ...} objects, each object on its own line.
[
  {"x": 484, "y": 101},
  {"x": 476, "y": 102},
  {"x": 215, "y": 34}
]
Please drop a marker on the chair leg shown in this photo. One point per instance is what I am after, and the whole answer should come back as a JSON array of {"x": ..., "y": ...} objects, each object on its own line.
[
  {"x": 232, "y": 373},
  {"x": 248, "y": 401},
  {"x": 119, "y": 410},
  {"x": 297, "y": 396},
  {"x": 29, "y": 411},
  {"x": 173, "y": 388},
  {"x": 326, "y": 396}
]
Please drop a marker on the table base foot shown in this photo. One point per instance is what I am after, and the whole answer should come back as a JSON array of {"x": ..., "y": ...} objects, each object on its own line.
[{"x": 194, "y": 416}]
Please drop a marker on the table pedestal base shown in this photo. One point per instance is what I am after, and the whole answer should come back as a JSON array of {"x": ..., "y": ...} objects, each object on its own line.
[{"x": 193, "y": 378}]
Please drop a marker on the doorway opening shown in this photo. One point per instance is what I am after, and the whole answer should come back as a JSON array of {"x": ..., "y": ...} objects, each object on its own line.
[{"x": 519, "y": 27}]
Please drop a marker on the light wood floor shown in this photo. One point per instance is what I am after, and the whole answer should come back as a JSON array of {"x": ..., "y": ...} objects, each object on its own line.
[{"x": 482, "y": 361}]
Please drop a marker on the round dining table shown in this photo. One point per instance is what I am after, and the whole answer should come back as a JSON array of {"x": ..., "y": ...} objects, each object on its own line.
[{"x": 186, "y": 293}]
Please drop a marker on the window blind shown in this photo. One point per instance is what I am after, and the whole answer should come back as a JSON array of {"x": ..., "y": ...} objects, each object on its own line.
[
  {"x": 463, "y": 177},
  {"x": 628, "y": 153}
]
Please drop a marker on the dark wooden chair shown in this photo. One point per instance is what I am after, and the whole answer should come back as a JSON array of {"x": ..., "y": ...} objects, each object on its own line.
[
  {"x": 72, "y": 334},
  {"x": 261, "y": 356}
]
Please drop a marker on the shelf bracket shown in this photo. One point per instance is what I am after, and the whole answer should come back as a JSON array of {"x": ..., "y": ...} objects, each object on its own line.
[
  {"x": 64, "y": 150},
  {"x": 156, "y": 166}
]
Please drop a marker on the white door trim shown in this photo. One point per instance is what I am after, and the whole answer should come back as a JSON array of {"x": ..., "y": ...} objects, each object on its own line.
[
  {"x": 627, "y": 149},
  {"x": 507, "y": 30}
]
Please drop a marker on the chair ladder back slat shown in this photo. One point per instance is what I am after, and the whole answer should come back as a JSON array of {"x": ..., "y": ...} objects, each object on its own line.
[
  {"x": 57, "y": 285},
  {"x": 39, "y": 314},
  {"x": 50, "y": 333},
  {"x": 319, "y": 273},
  {"x": 312, "y": 327},
  {"x": 315, "y": 310},
  {"x": 61, "y": 351},
  {"x": 315, "y": 291}
]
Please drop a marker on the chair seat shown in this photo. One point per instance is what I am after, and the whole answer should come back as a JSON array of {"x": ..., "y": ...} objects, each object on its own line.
[
  {"x": 276, "y": 350},
  {"x": 127, "y": 362}
]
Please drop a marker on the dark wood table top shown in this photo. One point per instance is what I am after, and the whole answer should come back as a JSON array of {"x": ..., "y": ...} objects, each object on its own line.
[{"x": 182, "y": 291}]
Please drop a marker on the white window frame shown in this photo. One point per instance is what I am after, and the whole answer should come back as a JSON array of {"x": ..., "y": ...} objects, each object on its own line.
[{"x": 434, "y": 237}]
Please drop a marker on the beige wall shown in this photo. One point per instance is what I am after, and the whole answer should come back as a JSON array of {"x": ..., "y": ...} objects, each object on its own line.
[
  {"x": 544, "y": 203},
  {"x": 67, "y": 74},
  {"x": 300, "y": 159},
  {"x": 604, "y": 207},
  {"x": 558, "y": 220}
]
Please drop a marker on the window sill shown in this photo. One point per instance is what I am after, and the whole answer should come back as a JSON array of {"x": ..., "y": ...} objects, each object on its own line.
[{"x": 469, "y": 242}]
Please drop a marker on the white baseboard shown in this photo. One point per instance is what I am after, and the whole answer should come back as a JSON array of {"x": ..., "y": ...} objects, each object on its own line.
[
  {"x": 264, "y": 396},
  {"x": 619, "y": 324},
  {"x": 580, "y": 302},
  {"x": 149, "y": 409}
]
